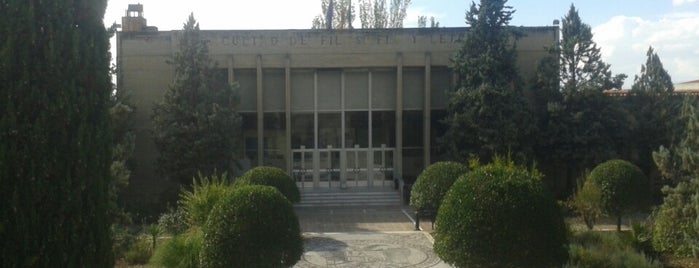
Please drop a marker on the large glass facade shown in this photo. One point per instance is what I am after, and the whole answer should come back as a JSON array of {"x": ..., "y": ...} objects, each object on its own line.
[{"x": 342, "y": 128}]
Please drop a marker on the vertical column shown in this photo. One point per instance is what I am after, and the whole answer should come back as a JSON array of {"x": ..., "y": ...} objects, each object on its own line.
[
  {"x": 316, "y": 153},
  {"x": 343, "y": 120},
  {"x": 426, "y": 111},
  {"x": 260, "y": 113},
  {"x": 398, "y": 165},
  {"x": 231, "y": 74},
  {"x": 370, "y": 149},
  {"x": 287, "y": 93}
]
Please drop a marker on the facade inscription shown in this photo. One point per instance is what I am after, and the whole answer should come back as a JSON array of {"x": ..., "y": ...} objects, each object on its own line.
[{"x": 330, "y": 40}]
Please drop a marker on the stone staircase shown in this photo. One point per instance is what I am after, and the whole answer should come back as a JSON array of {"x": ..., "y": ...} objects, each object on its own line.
[{"x": 349, "y": 198}]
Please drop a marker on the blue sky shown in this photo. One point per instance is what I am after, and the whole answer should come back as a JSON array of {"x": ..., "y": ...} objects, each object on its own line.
[{"x": 623, "y": 28}]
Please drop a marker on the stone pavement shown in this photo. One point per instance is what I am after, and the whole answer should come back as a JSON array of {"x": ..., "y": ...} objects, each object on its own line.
[{"x": 364, "y": 237}]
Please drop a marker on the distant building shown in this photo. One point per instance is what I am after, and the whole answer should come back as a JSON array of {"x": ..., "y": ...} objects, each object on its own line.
[{"x": 335, "y": 109}]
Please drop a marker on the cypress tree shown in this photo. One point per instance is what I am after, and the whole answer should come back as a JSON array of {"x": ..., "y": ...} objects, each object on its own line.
[
  {"x": 487, "y": 113},
  {"x": 55, "y": 144},
  {"x": 196, "y": 124},
  {"x": 654, "y": 77}
]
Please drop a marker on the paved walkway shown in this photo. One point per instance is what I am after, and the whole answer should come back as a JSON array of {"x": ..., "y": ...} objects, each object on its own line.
[{"x": 364, "y": 237}]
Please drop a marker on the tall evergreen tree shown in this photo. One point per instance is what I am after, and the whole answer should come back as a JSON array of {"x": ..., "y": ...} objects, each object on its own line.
[
  {"x": 376, "y": 14},
  {"x": 486, "y": 113},
  {"x": 582, "y": 67},
  {"x": 54, "y": 134},
  {"x": 654, "y": 77},
  {"x": 196, "y": 125}
]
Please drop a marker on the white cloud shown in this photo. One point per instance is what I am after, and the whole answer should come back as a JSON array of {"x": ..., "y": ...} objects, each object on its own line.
[
  {"x": 682, "y": 2},
  {"x": 675, "y": 37}
]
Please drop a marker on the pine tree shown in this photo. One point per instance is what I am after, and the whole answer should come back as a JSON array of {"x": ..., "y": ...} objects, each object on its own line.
[
  {"x": 654, "y": 78},
  {"x": 486, "y": 113},
  {"x": 582, "y": 67},
  {"x": 196, "y": 125},
  {"x": 54, "y": 127}
]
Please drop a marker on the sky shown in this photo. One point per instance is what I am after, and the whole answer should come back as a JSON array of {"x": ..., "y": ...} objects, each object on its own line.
[{"x": 623, "y": 29}]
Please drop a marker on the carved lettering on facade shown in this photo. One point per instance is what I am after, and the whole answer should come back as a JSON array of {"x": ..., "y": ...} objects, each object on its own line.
[{"x": 327, "y": 40}]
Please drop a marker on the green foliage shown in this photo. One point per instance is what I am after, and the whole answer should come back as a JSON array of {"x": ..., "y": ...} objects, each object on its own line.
[
  {"x": 486, "y": 112},
  {"x": 174, "y": 221},
  {"x": 122, "y": 240},
  {"x": 182, "y": 251},
  {"x": 196, "y": 125},
  {"x": 206, "y": 192},
  {"x": 675, "y": 220},
  {"x": 587, "y": 203},
  {"x": 271, "y": 176},
  {"x": 654, "y": 77},
  {"x": 56, "y": 141},
  {"x": 500, "y": 215},
  {"x": 623, "y": 187},
  {"x": 606, "y": 249},
  {"x": 433, "y": 183},
  {"x": 681, "y": 161},
  {"x": 582, "y": 67},
  {"x": 252, "y": 226},
  {"x": 140, "y": 251}
]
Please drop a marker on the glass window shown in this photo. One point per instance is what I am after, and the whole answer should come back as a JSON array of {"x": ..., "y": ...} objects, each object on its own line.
[
  {"x": 413, "y": 88},
  {"x": 302, "y": 90},
  {"x": 384, "y": 128},
  {"x": 412, "y": 129},
  {"x": 247, "y": 80},
  {"x": 437, "y": 130},
  {"x": 356, "y": 90},
  {"x": 275, "y": 140},
  {"x": 329, "y": 128},
  {"x": 440, "y": 84},
  {"x": 273, "y": 85},
  {"x": 383, "y": 89},
  {"x": 357, "y": 129},
  {"x": 302, "y": 128},
  {"x": 249, "y": 128},
  {"x": 329, "y": 84}
]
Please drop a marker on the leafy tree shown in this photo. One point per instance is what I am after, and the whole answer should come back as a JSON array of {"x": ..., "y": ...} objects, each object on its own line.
[
  {"x": 196, "y": 123},
  {"x": 486, "y": 113},
  {"x": 623, "y": 187},
  {"x": 54, "y": 127},
  {"x": 422, "y": 22},
  {"x": 340, "y": 14},
  {"x": 500, "y": 215},
  {"x": 376, "y": 14},
  {"x": 433, "y": 183},
  {"x": 582, "y": 67},
  {"x": 654, "y": 78},
  {"x": 252, "y": 226},
  {"x": 271, "y": 176},
  {"x": 587, "y": 203},
  {"x": 675, "y": 229}
]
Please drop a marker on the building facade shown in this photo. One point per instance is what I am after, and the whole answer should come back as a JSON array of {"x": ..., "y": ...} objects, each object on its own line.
[{"x": 335, "y": 109}]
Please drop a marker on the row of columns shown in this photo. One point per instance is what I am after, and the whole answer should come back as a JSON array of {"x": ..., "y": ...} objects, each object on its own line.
[{"x": 398, "y": 161}]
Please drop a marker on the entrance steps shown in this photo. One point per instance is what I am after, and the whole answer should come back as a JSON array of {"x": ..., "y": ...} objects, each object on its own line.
[{"x": 349, "y": 198}]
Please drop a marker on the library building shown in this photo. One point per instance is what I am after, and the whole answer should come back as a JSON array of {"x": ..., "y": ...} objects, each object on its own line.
[{"x": 338, "y": 109}]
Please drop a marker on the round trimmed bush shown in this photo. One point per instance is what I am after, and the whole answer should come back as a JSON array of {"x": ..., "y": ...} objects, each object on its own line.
[
  {"x": 623, "y": 187},
  {"x": 271, "y": 176},
  {"x": 433, "y": 183},
  {"x": 500, "y": 215},
  {"x": 252, "y": 226}
]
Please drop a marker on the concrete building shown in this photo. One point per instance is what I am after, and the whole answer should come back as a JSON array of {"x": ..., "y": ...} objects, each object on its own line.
[{"x": 335, "y": 109}]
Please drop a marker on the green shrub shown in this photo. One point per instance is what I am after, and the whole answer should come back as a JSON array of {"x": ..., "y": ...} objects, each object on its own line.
[
  {"x": 606, "y": 249},
  {"x": 181, "y": 251},
  {"x": 587, "y": 203},
  {"x": 122, "y": 239},
  {"x": 271, "y": 176},
  {"x": 499, "y": 215},
  {"x": 623, "y": 187},
  {"x": 140, "y": 251},
  {"x": 253, "y": 226},
  {"x": 174, "y": 221},
  {"x": 674, "y": 225},
  {"x": 201, "y": 199},
  {"x": 433, "y": 183}
]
